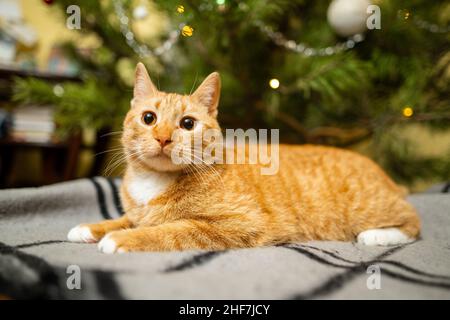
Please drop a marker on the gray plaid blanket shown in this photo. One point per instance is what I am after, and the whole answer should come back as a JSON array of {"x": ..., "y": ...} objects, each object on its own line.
[{"x": 36, "y": 261}]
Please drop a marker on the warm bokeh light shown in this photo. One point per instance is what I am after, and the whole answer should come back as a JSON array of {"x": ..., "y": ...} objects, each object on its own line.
[
  {"x": 187, "y": 31},
  {"x": 408, "y": 112},
  {"x": 180, "y": 9},
  {"x": 274, "y": 83}
]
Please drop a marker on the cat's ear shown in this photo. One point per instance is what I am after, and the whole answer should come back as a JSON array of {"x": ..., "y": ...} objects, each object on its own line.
[
  {"x": 208, "y": 93},
  {"x": 143, "y": 85}
]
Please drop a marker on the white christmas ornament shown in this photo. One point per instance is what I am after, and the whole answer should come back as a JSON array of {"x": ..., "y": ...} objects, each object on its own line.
[
  {"x": 140, "y": 12},
  {"x": 348, "y": 17}
]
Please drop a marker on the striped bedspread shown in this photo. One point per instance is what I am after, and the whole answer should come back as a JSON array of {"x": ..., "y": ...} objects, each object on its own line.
[{"x": 36, "y": 261}]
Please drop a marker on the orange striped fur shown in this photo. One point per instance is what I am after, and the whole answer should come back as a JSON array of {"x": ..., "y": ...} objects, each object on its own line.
[{"x": 319, "y": 193}]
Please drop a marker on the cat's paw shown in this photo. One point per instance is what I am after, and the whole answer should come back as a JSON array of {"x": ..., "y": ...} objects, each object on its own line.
[
  {"x": 109, "y": 246},
  {"x": 383, "y": 237},
  {"x": 81, "y": 233}
]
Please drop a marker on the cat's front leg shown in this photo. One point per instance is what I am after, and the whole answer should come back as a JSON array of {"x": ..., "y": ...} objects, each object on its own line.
[
  {"x": 93, "y": 232},
  {"x": 180, "y": 235}
]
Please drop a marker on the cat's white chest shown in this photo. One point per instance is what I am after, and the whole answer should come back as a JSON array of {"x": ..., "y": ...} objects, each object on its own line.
[{"x": 144, "y": 187}]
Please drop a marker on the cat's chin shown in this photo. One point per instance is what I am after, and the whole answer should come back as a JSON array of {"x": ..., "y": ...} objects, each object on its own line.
[{"x": 162, "y": 163}]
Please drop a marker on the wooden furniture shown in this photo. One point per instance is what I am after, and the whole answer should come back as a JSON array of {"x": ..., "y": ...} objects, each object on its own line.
[{"x": 59, "y": 158}]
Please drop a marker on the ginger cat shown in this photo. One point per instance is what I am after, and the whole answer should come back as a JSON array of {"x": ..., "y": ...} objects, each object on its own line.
[{"x": 319, "y": 193}]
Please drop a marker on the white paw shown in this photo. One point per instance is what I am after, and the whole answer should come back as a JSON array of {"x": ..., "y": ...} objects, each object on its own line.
[
  {"x": 383, "y": 237},
  {"x": 108, "y": 245},
  {"x": 80, "y": 234}
]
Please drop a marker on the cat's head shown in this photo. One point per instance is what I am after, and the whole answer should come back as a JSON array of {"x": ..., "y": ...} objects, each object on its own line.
[{"x": 158, "y": 122}]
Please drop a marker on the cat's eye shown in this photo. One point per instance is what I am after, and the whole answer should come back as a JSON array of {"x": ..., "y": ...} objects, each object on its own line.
[
  {"x": 149, "y": 118},
  {"x": 187, "y": 123}
]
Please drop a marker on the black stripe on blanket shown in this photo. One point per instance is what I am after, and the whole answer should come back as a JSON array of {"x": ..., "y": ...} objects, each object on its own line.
[
  {"x": 24, "y": 276},
  {"x": 446, "y": 188},
  {"x": 337, "y": 282},
  {"x": 39, "y": 243},
  {"x": 107, "y": 285},
  {"x": 17, "y": 284},
  {"x": 400, "y": 276},
  {"x": 194, "y": 261},
  {"x": 116, "y": 197},
  {"x": 101, "y": 199},
  {"x": 388, "y": 262}
]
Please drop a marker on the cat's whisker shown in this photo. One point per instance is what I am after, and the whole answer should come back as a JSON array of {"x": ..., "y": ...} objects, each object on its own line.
[
  {"x": 202, "y": 166},
  {"x": 195, "y": 82},
  {"x": 198, "y": 174},
  {"x": 110, "y": 169},
  {"x": 203, "y": 171},
  {"x": 116, "y": 157},
  {"x": 117, "y": 162},
  {"x": 108, "y": 151},
  {"x": 192, "y": 171},
  {"x": 111, "y": 133}
]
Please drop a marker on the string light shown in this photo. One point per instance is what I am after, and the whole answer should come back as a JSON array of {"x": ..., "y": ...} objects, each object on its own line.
[
  {"x": 274, "y": 83},
  {"x": 431, "y": 27},
  {"x": 404, "y": 14},
  {"x": 281, "y": 41},
  {"x": 187, "y": 31},
  {"x": 277, "y": 37},
  {"x": 144, "y": 51},
  {"x": 423, "y": 24},
  {"x": 58, "y": 90},
  {"x": 408, "y": 112},
  {"x": 180, "y": 8},
  {"x": 301, "y": 48},
  {"x": 141, "y": 49}
]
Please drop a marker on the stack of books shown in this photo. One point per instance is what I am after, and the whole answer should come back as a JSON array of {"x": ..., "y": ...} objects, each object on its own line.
[{"x": 32, "y": 124}]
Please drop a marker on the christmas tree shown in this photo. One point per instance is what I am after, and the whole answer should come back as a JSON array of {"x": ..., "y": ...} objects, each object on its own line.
[{"x": 283, "y": 64}]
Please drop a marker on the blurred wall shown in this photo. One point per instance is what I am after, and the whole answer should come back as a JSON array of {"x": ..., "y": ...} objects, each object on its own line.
[{"x": 47, "y": 21}]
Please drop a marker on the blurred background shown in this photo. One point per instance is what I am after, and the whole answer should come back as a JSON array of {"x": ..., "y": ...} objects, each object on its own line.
[{"x": 313, "y": 69}]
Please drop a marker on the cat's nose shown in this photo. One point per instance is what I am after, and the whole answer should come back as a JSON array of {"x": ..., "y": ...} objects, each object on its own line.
[{"x": 163, "y": 141}]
